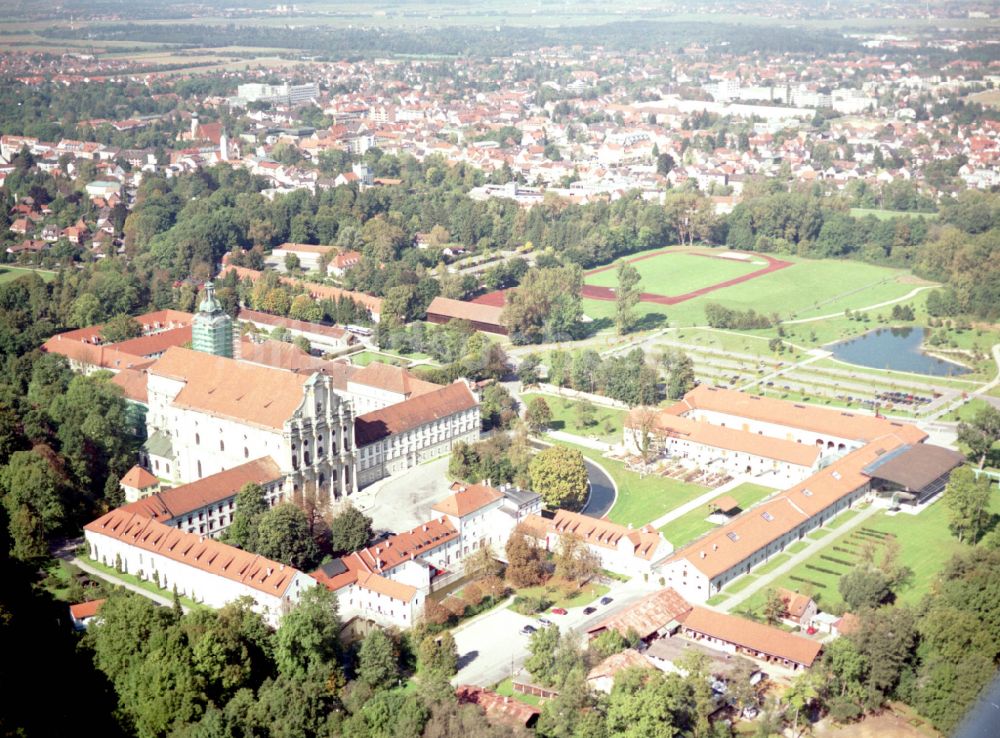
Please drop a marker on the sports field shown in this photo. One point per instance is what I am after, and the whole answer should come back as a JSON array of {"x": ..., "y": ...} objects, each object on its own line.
[
  {"x": 807, "y": 288},
  {"x": 677, "y": 273}
]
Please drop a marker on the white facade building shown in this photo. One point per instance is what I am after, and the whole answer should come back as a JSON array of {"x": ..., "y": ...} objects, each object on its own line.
[
  {"x": 399, "y": 437},
  {"x": 217, "y": 413},
  {"x": 200, "y": 568}
]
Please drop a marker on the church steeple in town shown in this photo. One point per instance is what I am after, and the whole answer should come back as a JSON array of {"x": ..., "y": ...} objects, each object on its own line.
[{"x": 212, "y": 331}]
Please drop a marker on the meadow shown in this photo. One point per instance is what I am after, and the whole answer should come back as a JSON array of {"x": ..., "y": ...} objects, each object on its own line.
[{"x": 677, "y": 273}]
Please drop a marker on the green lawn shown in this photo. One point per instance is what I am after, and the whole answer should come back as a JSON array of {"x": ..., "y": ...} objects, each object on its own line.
[
  {"x": 691, "y": 525},
  {"x": 742, "y": 583},
  {"x": 641, "y": 499},
  {"x": 774, "y": 563},
  {"x": 677, "y": 273},
  {"x": 148, "y": 586},
  {"x": 10, "y": 273},
  {"x": 587, "y": 594},
  {"x": 607, "y": 425},
  {"x": 365, "y": 358},
  {"x": 888, "y": 214},
  {"x": 796, "y": 547},
  {"x": 506, "y": 689}
]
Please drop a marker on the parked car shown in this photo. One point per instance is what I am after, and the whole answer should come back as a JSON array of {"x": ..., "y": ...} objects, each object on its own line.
[
  {"x": 606, "y": 600},
  {"x": 544, "y": 622},
  {"x": 589, "y": 610},
  {"x": 527, "y": 630},
  {"x": 558, "y": 610}
]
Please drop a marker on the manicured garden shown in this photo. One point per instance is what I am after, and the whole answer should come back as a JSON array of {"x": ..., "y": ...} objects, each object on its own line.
[
  {"x": 693, "y": 524},
  {"x": 606, "y": 422}
]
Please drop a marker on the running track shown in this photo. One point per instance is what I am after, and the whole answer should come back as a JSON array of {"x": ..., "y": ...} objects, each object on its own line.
[{"x": 591, "y": 292}]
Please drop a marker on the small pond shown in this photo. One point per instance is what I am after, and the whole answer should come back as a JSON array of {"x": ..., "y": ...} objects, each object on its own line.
[{"x": 893, "y": 348}]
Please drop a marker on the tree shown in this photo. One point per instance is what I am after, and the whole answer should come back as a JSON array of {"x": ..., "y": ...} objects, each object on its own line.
[
  {"x": 626, "y": 298},
  {"x": 774, "y": 606},
  {"x": 309, "y": 636},
  {"x": 481, "y": 563},
  {"x": 527, "y": 370},
  {"x": 120, "y": 328},
  {"x": 350, "y": 530},
  {"x": 968, "y": 499},
  {"x": 525, "y": 567},
  {"x": 649, "y": 704},
  {"x": 497, "y": 407},
  {"x": 574, "y": 560},
  {"x": 585, "y": 412},
  {"x": 538, "y": 416},
  {"x": 292, "y": 262},
  {"x": 664, "y": 164},
  {"x": 33, "y": 494},
  {"x": 438, "y": 655},
  {"x": 546, "y": 305},
  {"x": 559, "y": 475},
  {"x": 542, "y": 649},
  {"x": 981, "y": 433},
  {"x": 378, "y": 661},
  {"x": 282, "y": 534},
  {"x": 250, "y": 503},
  {"x": 680, "y": 373},
  {"x": 864, "y": 587}
]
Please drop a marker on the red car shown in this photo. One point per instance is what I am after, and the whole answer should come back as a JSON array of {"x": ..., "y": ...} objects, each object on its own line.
[{"x": 558, "y": 611}]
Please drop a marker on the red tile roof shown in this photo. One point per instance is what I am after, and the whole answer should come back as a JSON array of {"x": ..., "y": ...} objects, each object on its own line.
[
  {"x": 600, "y": 532},
  {"x": 468, "y": 498},
  {"x": 216, "y": 385},
  {"x": 647, "y": 616},
  {"x": 197, "y": 551},
  {"x": 139, "y": 478},
  {"x": 84, "y": 610},
  {"x": 413, "y": 413},
  {"x": 461, "y": 310},
  {"x": 497, "y": 708},
  {"x": 173, "y": 503},
  {"x": 133, "y": 384},
  {"x": 751, "y": 635}
]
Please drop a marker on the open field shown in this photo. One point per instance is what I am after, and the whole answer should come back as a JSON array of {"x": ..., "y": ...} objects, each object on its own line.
[
  {"x": 925, "y": 545},
  {"x": 10, "y": 273},
  {"x": 987, "y": 97},
  {"x": 677, "y": 273},
  {"x": 686, "y": 528},
  {"x": 607, "y": 421}
]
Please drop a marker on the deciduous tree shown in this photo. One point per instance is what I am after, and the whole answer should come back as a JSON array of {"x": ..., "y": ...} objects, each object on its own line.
[{"x": 559, "y": 475}]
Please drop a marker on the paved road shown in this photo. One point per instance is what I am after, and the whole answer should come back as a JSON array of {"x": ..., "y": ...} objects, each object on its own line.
[
  {"x": 796, "y": 559},
  {"x": 491, "y": 647},
  {"x": 603, "y": 491}
]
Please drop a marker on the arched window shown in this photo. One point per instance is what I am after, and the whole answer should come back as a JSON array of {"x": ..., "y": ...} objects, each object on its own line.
[
  {"x": 246, "y": 453},
  {"x": 199, "y": 470},
  {"x": 222, "y": 445},
  {"x": 197, "y": 439},
  {"x": 305, "y": 458}
]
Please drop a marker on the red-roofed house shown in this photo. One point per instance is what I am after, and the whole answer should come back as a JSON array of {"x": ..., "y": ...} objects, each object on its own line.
[
  {"x": 138, "y": 483},
  {"x": 83, "y": 612}
]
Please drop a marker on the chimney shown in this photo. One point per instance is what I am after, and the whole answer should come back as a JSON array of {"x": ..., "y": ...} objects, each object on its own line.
[
  {"x": 715, "y": 546},
  {"x": 703, "y": 554},
  {"x": 270, "y": 571}
]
